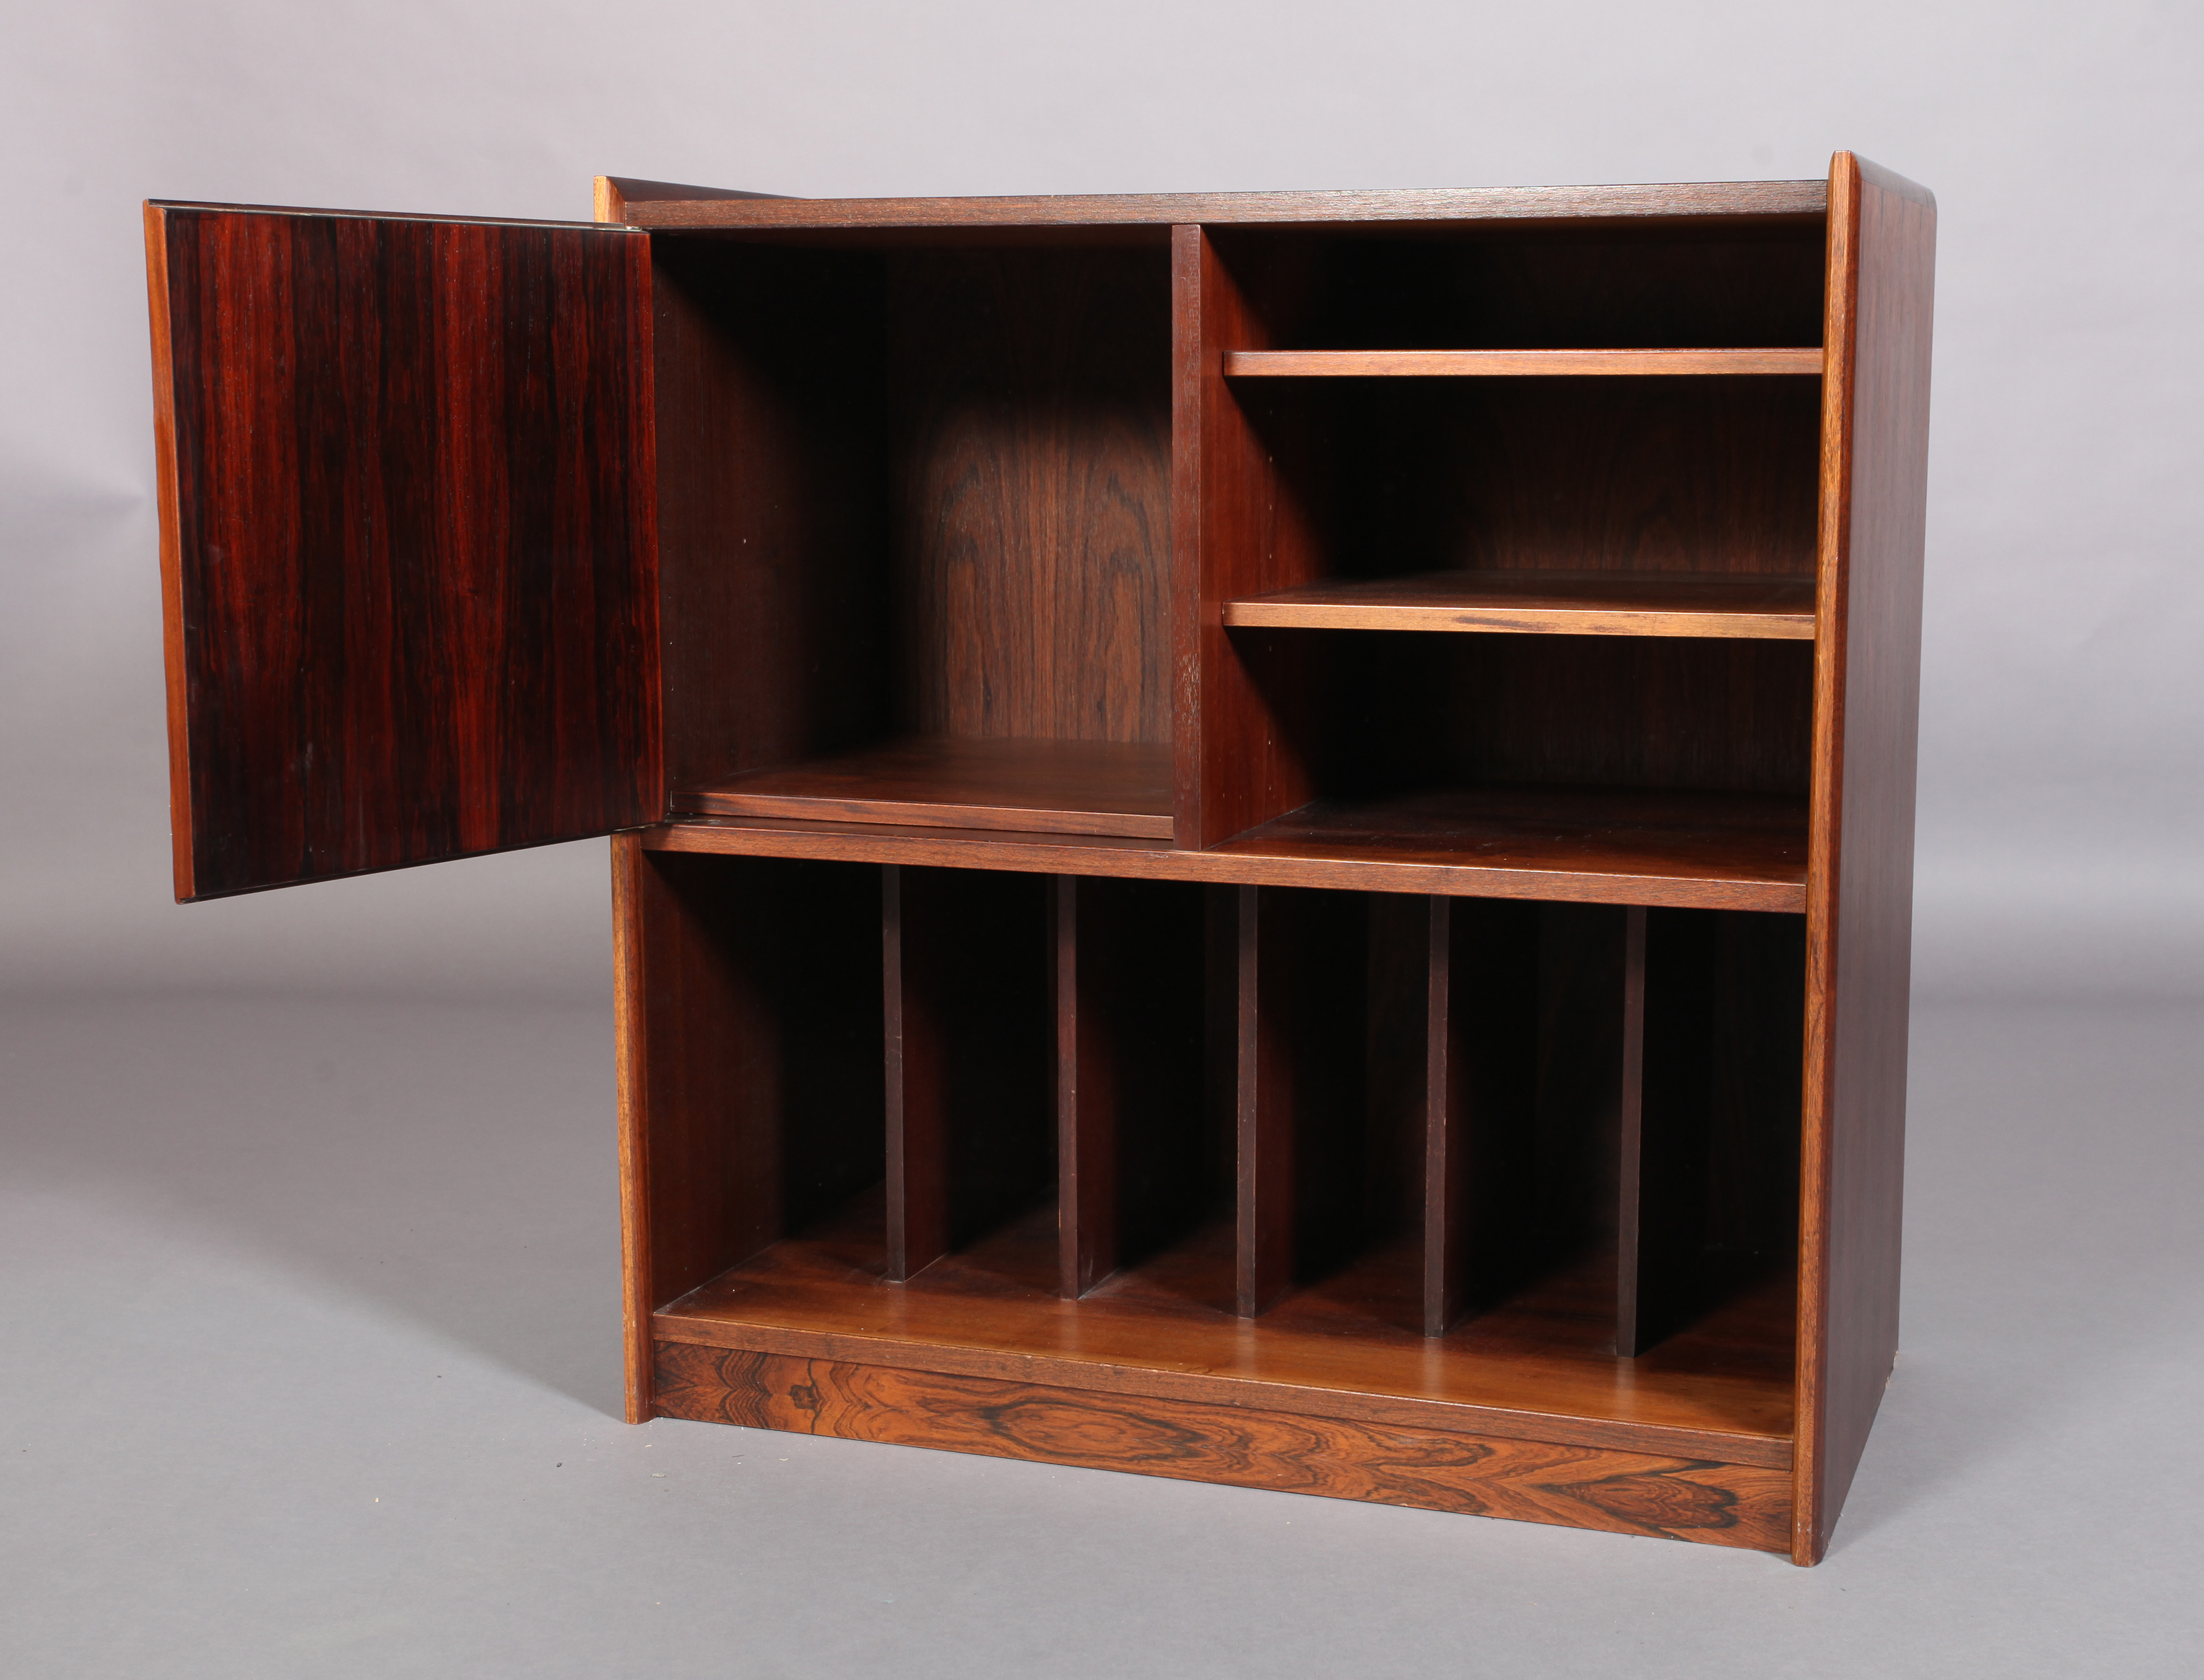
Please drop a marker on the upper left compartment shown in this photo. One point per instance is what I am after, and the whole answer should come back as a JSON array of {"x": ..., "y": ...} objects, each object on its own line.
[{"x": 913, "y": 506}]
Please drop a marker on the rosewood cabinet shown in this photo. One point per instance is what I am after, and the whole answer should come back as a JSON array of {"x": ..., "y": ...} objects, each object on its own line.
[{"x": 1261, "y": 837}]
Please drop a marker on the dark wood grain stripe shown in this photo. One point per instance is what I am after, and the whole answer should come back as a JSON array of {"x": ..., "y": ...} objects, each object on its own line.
[{"x": 414, "y": 572}]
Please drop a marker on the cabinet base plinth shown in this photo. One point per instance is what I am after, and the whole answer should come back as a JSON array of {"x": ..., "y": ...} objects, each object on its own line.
[{"x": 1585, "y": 1488}]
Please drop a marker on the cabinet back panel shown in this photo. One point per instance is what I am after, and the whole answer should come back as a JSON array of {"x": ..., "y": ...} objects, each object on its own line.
[
  {"x": 1715, "y": 288},
  {"x": 1406, "y": 713},
  {"x": 1707, "y": 473},
  {"x": 1030, "y": 421}
]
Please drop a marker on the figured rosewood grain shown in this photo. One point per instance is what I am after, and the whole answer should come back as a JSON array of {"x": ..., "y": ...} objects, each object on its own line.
[
  {"x": 411, "y": 547},
  {"x": 750, "y": 1096},
  {"x": 1052, "y": 787},
  {"x": 1135, "y": 1164},
  {"x": 1768, "y": 200},
  {"x": 1510, "y": 364},
  {"x": 1546, "y": 603},
  {"x": 1883, "y": 231},
  {"x": 1674, "y": 1499}
]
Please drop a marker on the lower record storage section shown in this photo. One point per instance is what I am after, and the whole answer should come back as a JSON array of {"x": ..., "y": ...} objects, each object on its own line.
[{"x": 1482, "y": 1206}]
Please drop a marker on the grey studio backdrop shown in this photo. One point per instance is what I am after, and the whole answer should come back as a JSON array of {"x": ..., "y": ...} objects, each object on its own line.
[{"x": 308, "y": 1303}]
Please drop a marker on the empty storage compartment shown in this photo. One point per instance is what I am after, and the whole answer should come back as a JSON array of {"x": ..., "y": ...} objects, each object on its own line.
[
  {"x": 1643, "y": 506},
  {"x": 913, "y": 529},
  {"x": 756, "y": 1118},
  {"x": 1683, "y": 761},
  {"x": 1731, "y": 282},
  {"x": 970, "y": 1052}
]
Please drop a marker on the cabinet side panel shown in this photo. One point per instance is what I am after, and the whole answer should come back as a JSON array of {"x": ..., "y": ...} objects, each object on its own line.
[
  {"x": 630, "y": 1029},
  {"x": 1867, "y": 702},
  {"x": 413, "y": 593}
]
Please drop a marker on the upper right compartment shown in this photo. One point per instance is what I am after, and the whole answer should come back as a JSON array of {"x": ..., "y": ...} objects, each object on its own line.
[
  {"x": 1578, "y": 457},
  {"x": 1597, "y": 426}
]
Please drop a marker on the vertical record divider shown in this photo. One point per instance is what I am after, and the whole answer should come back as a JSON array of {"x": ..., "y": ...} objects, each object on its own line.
[
  {"x": 1631, "y": 1326},
  {"x": 1086, "y": 1108},
  {"x": 1264, "y": 1181},
  {"x": 917, "y": 1184},
  {"x": 1445, "y": 1151}
]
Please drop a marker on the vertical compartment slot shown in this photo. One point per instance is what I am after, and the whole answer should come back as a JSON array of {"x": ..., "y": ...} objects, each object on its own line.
[
  {"x": 1479, "y": 1088},
  {"x": 1326, "y": 1134},
  {"x": 967, "y": 1032},
  {"x": 1137, "y": 1164},
  {"x": 1708, "y": 1173}
]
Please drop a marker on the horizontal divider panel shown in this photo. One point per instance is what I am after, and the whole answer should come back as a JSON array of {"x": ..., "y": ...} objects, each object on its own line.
[
  {"x": 1672, "y": 1497},
  {"x": 1712, "y": 851},
  {"x": 1511, "y": 364},
  {"x": 1551, "y": 603},
  {"x": 1050, "y": 787}
]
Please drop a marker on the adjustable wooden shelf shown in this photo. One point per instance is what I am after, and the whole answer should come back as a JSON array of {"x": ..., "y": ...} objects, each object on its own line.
[{"x": 1261, "y": 837}]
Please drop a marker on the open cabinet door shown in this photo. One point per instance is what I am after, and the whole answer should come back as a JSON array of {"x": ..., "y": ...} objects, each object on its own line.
[{"x": 408, "y": 547}]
